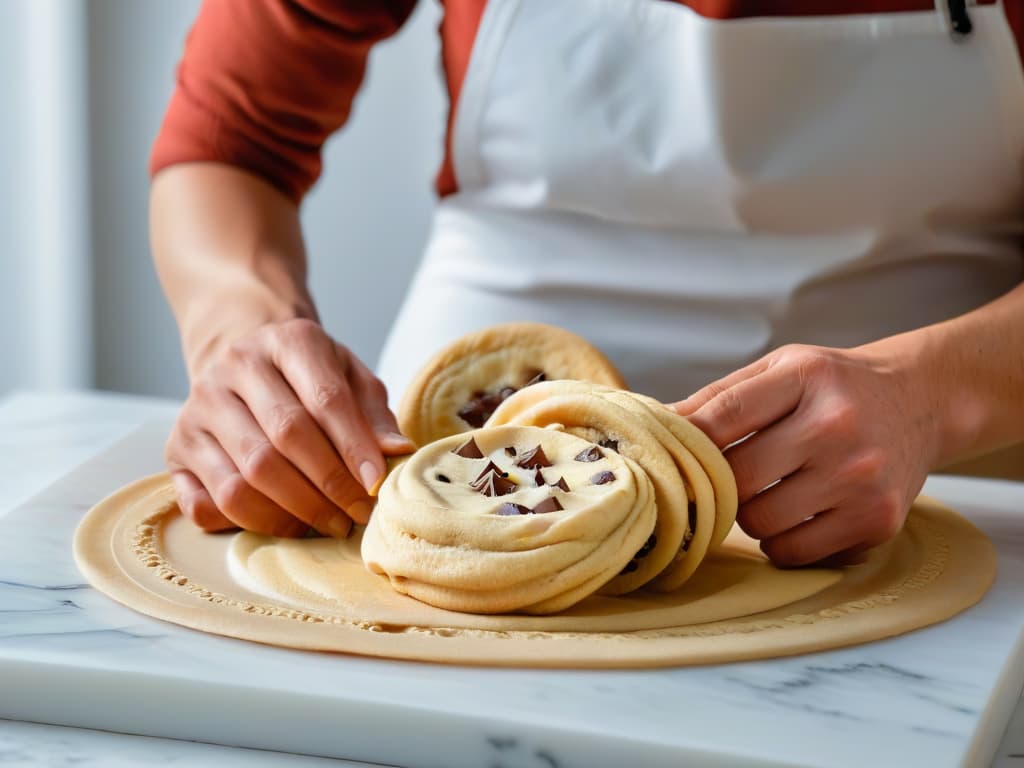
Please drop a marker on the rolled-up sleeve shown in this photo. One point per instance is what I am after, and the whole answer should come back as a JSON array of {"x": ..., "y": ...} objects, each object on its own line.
[{"x": 263, "y": 83}]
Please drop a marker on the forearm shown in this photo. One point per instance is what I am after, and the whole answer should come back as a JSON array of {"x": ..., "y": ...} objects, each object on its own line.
[
  {"x": 229, "y": 252},
  {"x": 970, "y": 370}
]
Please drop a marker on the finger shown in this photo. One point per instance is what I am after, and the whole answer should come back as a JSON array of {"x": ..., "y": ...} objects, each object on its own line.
[
  {"x": 299, "y": 439},
  {"x": 710, "y": 391},
  {"x": 785, "y": 505},
  {"x": 235, "y": 498},
  {"x": 823, "y": 536},
  {"x": 769, "y": 455},
  {"x": 319, "y": 379},
  {"x": 748, "y": 406},
  {"x": 267, "y": 471},
  {"x": 195, "y": 502},
  {"x": 372, "y": 396}
]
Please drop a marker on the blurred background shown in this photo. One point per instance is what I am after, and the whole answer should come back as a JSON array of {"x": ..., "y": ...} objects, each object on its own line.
[{"x": 86, "y": 86}]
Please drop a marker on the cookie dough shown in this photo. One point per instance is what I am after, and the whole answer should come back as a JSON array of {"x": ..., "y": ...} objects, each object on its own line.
[
  {"x": 614, "y": 430},
  {"x": 315, "y": 594},
  {"x": 509, "y": 519},
  {"x": 459, "y": 388}
]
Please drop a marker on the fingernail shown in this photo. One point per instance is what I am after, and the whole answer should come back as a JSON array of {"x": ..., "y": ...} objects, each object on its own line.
[
  {"x": 370, "y": 476},
  {"x": 399, "y": 440},
  {"x": 339, "y": 526},
  {"x": 360, "y": 511}
]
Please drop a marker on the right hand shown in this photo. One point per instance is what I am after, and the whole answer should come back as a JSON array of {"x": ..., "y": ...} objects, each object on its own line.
[{"x": 283, "y": 431}]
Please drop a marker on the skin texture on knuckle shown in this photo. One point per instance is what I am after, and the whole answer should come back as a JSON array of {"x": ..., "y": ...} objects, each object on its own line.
[
  {"x": 260, "y": 462},
  {"x": 838, "y": 423},
  {"x": 331, "y": 397},
  {"x": 726, "y": 408},
  {"x": 865, "y": 471},
  {"x": 291, "y": 425}
]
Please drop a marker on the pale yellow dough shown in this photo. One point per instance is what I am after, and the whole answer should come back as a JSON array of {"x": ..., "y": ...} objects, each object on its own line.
[
  {"x": 316, "y": 594},
  {"x": 506, "y": 355},
  {"x": 442, "y": 540}
]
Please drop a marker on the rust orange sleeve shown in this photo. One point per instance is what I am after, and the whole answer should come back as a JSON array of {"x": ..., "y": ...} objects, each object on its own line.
[{"x": 263, "y": 83}]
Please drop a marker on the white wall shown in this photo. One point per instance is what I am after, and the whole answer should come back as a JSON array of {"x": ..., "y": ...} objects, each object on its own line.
[
  {"x": 45, "y": 259},
  {"x": 365, "y": 221}
]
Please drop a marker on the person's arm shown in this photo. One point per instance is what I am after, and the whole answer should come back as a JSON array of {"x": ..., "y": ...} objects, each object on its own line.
[
  {"x": 841, "y": 440},
  {"x": 229, "y": 252},
  {"x": 283, "y": 429}
]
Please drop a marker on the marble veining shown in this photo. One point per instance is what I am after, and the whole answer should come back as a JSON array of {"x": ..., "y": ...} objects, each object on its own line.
[{"x": 912, "y": 700}]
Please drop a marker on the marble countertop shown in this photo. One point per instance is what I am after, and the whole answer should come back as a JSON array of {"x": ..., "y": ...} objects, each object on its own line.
[{"x": 43, "y": 436}]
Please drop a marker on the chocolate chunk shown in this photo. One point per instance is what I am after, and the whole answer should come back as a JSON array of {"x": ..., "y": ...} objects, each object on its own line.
[
  {"x": 550, "y": 504},
  {"x": 494, "y": 483},
  {"x": 645, "y": 550},
  {"x": 534, "y": 459},
  {"x": 510, "y": 451},
  {"x": 508, "y": 508},
  {"x": 480, "y": 407},
  {"x": 612, "y": 444},
  {"x": 593, "y": 453},
  {"x": 538, "y": 479},
  {"x": 469, "y": 450},
  {"x": 491, "y": 468},
  {"x": 443, "y": 478},
  {"x": 474, "y": 413},
  {"x": 691, "y": 513},
  {"x": 602, "y": 477},
  {"x": 631, "y": 566},
  {"x": 561, "y": 484}
]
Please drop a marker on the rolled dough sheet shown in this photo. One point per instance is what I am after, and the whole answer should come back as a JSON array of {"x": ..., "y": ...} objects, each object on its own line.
[{"x": 315, "y": 594}]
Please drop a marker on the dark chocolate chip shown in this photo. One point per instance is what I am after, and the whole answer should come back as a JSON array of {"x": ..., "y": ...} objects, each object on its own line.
[
  {"x": 691, "y": 513},
  {"x": 469, "y": 450},
  {"x": 493, "y": 484},
  {"x": 510, "y": 451},
  {"x": 550, "y": 504},
  {"x": 612, "y": 444},
  {"x": 443, "y": 478},
  {"x": 491, "y": 468},
  {"x": 474, "y": 413},
  {"x": 603, "y": 477},
  {"x": 481, "y": 405},
  {"x": 593, "y": 453},
  {"x": 538, "y": 479},
  {"x": 631, "y": 566},
  {"x": 534, "y": 459},
  {"x": 508, "y": 508}
]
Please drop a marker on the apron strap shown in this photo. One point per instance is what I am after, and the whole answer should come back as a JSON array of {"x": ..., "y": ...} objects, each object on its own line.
[{"x": 957, "y": 20}]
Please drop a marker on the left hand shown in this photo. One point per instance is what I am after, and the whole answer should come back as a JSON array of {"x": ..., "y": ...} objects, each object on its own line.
[{"x": 840, "y": 442}]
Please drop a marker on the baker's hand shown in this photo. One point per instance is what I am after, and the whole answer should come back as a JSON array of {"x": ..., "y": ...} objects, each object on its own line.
[
  {"x": 848, "y": 435},
  {"x": 283, "y": 431}
]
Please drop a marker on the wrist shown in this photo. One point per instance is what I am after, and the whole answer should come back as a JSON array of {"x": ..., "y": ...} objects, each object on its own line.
[
  {"x": 216, "y": 321},
  {"x": 915, "y": 366},
  {"x": 939, "y": 394}
]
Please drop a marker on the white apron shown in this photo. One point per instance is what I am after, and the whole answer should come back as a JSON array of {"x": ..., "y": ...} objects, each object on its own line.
[{"x": 689, "y": 194}]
